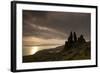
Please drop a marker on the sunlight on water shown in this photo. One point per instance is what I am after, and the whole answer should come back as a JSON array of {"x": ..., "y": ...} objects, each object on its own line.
[{"x": 30, "y": 50}]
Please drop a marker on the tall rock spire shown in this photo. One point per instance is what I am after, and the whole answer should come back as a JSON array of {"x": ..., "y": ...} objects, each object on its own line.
[{"x": 75, "y": 37}]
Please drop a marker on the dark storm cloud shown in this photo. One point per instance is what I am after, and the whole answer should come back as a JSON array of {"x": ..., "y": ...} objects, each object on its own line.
[{"x": 58, "y": 25}]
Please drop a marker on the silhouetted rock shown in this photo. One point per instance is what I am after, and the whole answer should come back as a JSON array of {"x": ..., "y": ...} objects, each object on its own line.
[
  {"x": 69, "y": 44},
  {"x": 81, "y": 39},
  {"x": 75, "y": 38},
  {"x": 73, "y": 42}
]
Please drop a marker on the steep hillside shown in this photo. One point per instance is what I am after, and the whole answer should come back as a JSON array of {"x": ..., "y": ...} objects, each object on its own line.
[{"x": 58, "y": 54}]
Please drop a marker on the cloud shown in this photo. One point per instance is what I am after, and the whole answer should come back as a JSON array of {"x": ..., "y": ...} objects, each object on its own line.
[
  {"x": 43, "y": 32},
  {"x": 50, "y": 25},
  {"x": 30, "y": 40}
]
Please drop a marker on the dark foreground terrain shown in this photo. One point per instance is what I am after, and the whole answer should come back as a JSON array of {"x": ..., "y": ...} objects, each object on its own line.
[{"x": 58, "y": 54}]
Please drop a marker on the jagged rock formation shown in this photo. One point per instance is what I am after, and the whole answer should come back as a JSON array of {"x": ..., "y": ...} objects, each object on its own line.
[{"x": 73, "y": 41}]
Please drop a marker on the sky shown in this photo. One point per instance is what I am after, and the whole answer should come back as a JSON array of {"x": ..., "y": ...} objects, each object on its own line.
[{"x": 52, "y": 28}]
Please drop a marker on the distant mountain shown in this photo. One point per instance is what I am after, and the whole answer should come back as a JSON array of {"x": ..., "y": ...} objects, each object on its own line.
[{"x": 59, "y": 54}]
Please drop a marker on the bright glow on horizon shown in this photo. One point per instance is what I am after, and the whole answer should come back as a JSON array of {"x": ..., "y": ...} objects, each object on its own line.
[{"x": 34, "y": 49}]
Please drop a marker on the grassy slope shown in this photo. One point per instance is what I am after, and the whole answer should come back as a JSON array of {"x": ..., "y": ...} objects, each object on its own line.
[{"x": 80, "y": 53}]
